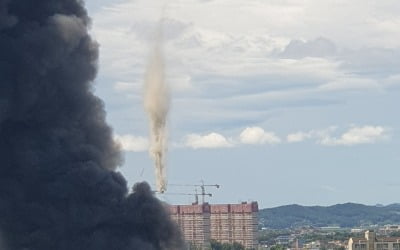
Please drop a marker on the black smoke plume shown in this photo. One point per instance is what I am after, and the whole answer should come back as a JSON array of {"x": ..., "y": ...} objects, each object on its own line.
[{"x": 58, "y": 188}]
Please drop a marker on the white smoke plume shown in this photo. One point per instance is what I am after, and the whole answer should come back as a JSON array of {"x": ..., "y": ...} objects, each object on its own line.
[{"x": 156, "y": 104}]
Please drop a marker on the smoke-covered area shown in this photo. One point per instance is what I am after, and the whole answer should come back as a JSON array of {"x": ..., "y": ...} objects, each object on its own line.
[
  {"x": 156, "y": 103},
  {"x": 58, "y": 188},
  {"x": 2, "y": 245}
]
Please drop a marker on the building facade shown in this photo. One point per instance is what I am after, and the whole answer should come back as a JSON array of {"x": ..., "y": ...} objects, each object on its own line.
[
  {"x": 371, "y": 242},
  {"x": 194, "y": 222},
  {"x": 235, "y": 223},
  {"x": 225, "y": 223}
]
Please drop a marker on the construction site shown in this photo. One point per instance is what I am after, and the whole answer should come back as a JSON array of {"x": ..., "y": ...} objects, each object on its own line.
[{"x": 202, "y": 222}]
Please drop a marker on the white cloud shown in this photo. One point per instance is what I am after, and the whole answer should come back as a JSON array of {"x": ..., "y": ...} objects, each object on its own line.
[
  {"x": 280, "y": 63},
  {"x": 132, "y": 143},
  {"x": 353, "y": 136},
  {"x": 297, "y": 137},
  {"x": 211, "y": 140},
  {"x": 357, "y": 135},
  {"x": 320, "y": 47},
  {"x": 257, "y": 135},
  {"x": 312, "y": 134},
  {"x": 351, "y": 83}
]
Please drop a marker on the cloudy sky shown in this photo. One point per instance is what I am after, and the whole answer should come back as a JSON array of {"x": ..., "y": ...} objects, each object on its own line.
[{"x": 279, "y": 101}]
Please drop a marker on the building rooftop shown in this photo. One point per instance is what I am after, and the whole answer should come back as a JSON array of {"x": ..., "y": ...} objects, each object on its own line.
[{"x": 214, "y": 209}]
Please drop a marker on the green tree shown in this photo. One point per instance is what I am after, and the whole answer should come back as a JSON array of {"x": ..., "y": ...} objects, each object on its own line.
[
  {"x": 215, "y": 245},
  {"x": 194, "y": 247},
  {"x": 277, "y": 247}
]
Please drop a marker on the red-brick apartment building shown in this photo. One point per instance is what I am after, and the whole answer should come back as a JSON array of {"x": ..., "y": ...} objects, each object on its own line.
[{"x": 225, "y": 223}]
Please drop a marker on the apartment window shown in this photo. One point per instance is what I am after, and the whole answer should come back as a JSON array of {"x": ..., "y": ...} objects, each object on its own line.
[
  {"x": 396, "y": 246},
  {"x": 382, "y": 246},
  {"x": 360, "y": 246}
]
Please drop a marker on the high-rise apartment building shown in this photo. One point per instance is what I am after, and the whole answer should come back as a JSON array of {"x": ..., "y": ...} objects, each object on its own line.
[{"x": 225, "y": 223}]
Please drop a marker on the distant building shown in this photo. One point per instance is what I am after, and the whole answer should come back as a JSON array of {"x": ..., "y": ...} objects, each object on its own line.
[
  {"x": 388, "y": 229},
  {"x": 371, "y": 242},
  {"x": 225, "y": 223},
  {"x": 332, "y": 229},
  {"x": 284, "y": 239},
  {"x": 315, "y": 245}
]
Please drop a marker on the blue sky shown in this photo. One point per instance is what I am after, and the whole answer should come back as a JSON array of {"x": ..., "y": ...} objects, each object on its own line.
[{"x": 278, "y": 101}]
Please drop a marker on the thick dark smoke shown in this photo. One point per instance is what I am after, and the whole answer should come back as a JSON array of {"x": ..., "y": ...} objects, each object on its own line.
[{"x": 58, "y": 189}]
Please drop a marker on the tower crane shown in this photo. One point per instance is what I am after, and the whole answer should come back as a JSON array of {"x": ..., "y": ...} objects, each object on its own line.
[{"x": 202, "y": 187}]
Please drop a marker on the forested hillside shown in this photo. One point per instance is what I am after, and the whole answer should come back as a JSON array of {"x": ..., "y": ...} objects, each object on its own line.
[{"x": 344, "y": 215}]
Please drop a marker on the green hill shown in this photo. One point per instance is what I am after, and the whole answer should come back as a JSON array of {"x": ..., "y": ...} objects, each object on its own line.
[{"x": 343, "y": 215}]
